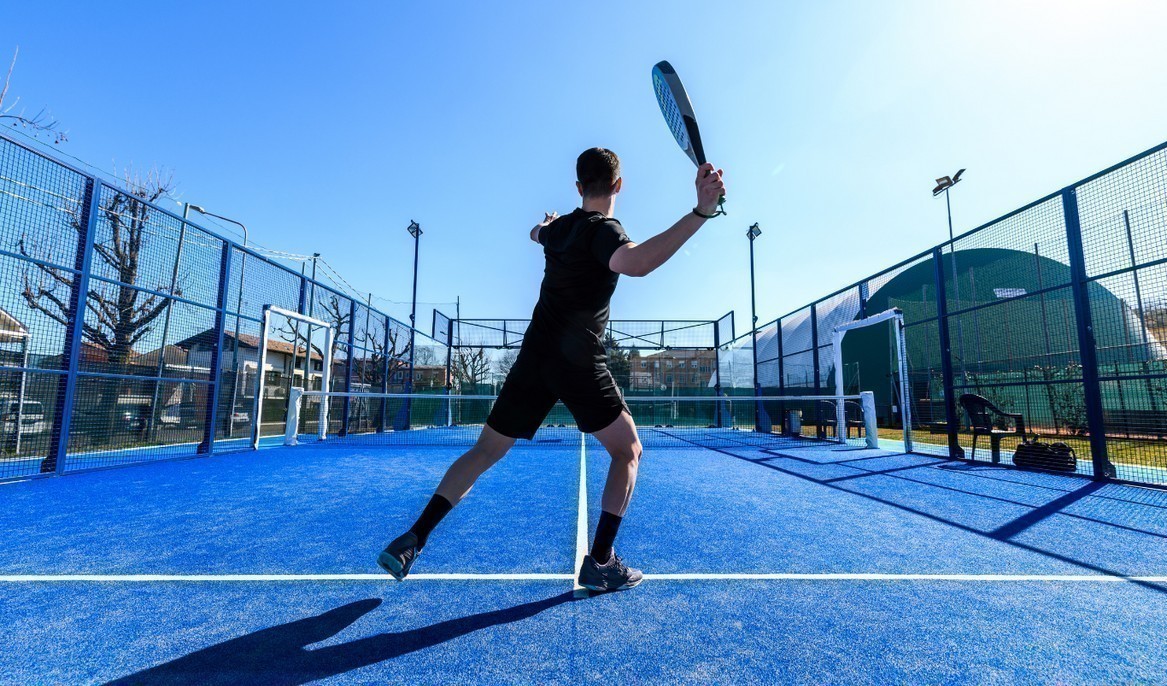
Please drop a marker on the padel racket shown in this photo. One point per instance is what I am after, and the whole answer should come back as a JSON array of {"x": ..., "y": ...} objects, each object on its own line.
[{"x": 678, "y": 112}]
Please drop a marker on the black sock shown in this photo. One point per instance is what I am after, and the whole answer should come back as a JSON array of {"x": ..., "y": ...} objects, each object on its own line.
[
  {"x": 605, "y": 535},
  {"x": 437, "y": 508}
]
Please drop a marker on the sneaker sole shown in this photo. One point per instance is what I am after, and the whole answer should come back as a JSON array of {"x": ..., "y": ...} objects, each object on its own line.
[
  {"x": 625, "y": 587},
  {"x": 392, "y": 565}
]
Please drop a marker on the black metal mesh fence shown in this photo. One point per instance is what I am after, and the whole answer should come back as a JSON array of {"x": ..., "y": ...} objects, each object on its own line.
[
  {"x": 646, "y": 357},
  {"x": 129, "y": 334},
  {"x": 1056, "y": 312}
]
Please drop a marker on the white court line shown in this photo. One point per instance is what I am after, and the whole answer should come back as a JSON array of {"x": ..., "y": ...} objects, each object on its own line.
[
  {"x": 135, "y": 578},
  {"x": 581, "y": 522}
]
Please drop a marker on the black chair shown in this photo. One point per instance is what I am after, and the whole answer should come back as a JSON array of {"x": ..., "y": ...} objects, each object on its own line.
[
  {"x": 982, "y": 416},
  {"x": 853, "y": 415}
]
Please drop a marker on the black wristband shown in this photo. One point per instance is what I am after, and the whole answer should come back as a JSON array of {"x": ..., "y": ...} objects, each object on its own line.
[{"x": 706, "y": 216}]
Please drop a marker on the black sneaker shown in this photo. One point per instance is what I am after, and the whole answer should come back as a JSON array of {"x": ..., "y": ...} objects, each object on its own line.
[
  {"x": 611, "y": 576},
  {"x": 398, "y": 557}
]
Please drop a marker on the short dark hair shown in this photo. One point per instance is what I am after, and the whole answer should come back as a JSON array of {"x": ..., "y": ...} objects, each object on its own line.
[{"x": 597, "y": 169}]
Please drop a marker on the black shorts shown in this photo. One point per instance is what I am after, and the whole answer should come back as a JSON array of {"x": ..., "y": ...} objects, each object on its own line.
[{"x": 537, "y": 381}]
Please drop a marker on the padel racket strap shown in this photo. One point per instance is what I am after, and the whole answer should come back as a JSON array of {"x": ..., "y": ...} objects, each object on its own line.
[{"x": 718, "y": 213}]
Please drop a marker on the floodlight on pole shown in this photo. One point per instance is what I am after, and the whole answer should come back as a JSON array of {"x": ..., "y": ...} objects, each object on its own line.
[
  {"x": 414, "y": 230},
  {"x": 753, "y": 232}
]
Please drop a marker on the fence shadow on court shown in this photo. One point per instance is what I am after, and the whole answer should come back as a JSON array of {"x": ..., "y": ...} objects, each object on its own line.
[
  {"x": 280, "y": 654},
  {"x": 1070, "y": 491}
]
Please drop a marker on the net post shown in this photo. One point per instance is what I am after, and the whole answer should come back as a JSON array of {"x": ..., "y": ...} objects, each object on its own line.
[
  {"x": 870, "y": 423},
  {"x": 261, "y": 366},
  {"x": 326, "y": 382},
  {"x": 905, "y": 385},
  {"x": 292, "y": 425}
]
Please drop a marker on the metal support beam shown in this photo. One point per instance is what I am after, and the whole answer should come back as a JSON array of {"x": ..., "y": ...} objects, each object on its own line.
[
  {"x": 74, "y": 333},
  {"x": 820, "y": 430},
  {"x": 1091, "y": 387},
  {"x": 214, "y": 392},
  {"x": 950, "y": 416},
  {"x": 346, "y": 406}
]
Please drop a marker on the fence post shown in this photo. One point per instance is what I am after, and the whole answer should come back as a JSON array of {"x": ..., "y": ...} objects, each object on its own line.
[
  {"x": 385, "y": 368},
  {"x": 1091, "y": 387},
  {"x": 819, "y": 429},
  {"x": 758, "y": 409},
  {"x": 716, "y": 372},
  {"x": 346, "y": 408},
  {"x": 782, "y": 428},
  {"x": 212, "y": 410},
  {"x": 74, "y": 333},
  {"x": 864, "y": 294},
  {"x": 449, "y": 371},
  {"x": 951, "y": 420}
]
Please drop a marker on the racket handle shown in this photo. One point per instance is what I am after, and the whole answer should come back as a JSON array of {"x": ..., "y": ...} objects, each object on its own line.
[{"x": 720, "y": 201}]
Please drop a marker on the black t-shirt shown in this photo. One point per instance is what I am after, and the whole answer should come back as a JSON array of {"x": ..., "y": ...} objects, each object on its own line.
[{"x": 572, "y": 311}]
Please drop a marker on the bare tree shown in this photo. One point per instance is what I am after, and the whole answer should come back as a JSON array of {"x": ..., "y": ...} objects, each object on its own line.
[
  {"x": 427, "y": 356},
  {"x": 41, "y": 122},
  {"x": 505, "y": 361},
  {"x": 116, "y": 316},
  {"x": 119, "y": 315},
  {"x": 398, "y": 354},
  {"x": 471, "y": 365}
]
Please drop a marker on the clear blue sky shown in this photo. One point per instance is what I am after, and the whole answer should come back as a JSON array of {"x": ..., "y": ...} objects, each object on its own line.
[{"x": 328, "y": 126}]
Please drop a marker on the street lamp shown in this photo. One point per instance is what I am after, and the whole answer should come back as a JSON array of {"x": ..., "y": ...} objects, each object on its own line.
[
  {"x": 414, "y": 230},
  {"x": 753, "y": 232},
  {"x": 200, "y": 210},
  {"x": 943, "y": 184},
  {"x": 238, "y": 315}
]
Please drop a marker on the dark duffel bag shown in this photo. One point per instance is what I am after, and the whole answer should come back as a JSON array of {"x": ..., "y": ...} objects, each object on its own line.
[{"x": 1056, "y": 457}]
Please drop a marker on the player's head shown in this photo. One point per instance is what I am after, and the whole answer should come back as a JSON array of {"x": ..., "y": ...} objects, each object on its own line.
[{"x": 597, "y": 173}]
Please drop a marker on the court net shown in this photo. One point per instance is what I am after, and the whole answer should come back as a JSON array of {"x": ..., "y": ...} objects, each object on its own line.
[{"x": 394, "y": 419}]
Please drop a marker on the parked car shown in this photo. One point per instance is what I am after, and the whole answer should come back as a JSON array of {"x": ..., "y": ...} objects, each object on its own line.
[
  {"x": 181, "y": 416},
  {"x": 32, "y": 419}
]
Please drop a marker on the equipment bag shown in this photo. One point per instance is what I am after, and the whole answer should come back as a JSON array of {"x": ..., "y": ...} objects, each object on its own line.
[{"x": 1057, "y": 457}]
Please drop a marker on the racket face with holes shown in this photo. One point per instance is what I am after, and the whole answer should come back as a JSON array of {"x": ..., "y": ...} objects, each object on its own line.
[{"x": 677, "y": 110}]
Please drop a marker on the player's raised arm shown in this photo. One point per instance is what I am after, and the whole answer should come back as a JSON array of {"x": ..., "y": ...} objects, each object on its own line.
[{"x": 639, "y": 259}]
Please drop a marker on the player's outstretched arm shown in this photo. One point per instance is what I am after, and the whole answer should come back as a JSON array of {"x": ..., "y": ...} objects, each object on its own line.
[
  {"x": 547, "y": 219},
  {"x": 640, "y": 259}
]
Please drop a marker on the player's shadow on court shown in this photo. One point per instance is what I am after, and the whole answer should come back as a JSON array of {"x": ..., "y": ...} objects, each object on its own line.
[{"x": 280, "y": 654}]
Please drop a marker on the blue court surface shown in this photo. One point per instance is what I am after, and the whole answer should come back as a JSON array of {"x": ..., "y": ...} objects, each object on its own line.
[{"x": 796, "y": 564}]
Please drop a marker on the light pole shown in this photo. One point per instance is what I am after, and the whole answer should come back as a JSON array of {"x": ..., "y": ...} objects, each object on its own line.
[
  {"x": 415, "y": 231},
  {"x": 943, "y": 184},
  {"x": 238, "y": 314},
  {"x": 753, "y": 232}
]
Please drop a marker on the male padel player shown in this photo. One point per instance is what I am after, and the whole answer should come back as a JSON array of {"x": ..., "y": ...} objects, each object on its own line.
[{"x": 562, "y": 358}]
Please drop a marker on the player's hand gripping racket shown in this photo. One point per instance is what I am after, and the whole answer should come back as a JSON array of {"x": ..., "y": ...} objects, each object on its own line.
[{"x": 678, "y": 111}]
